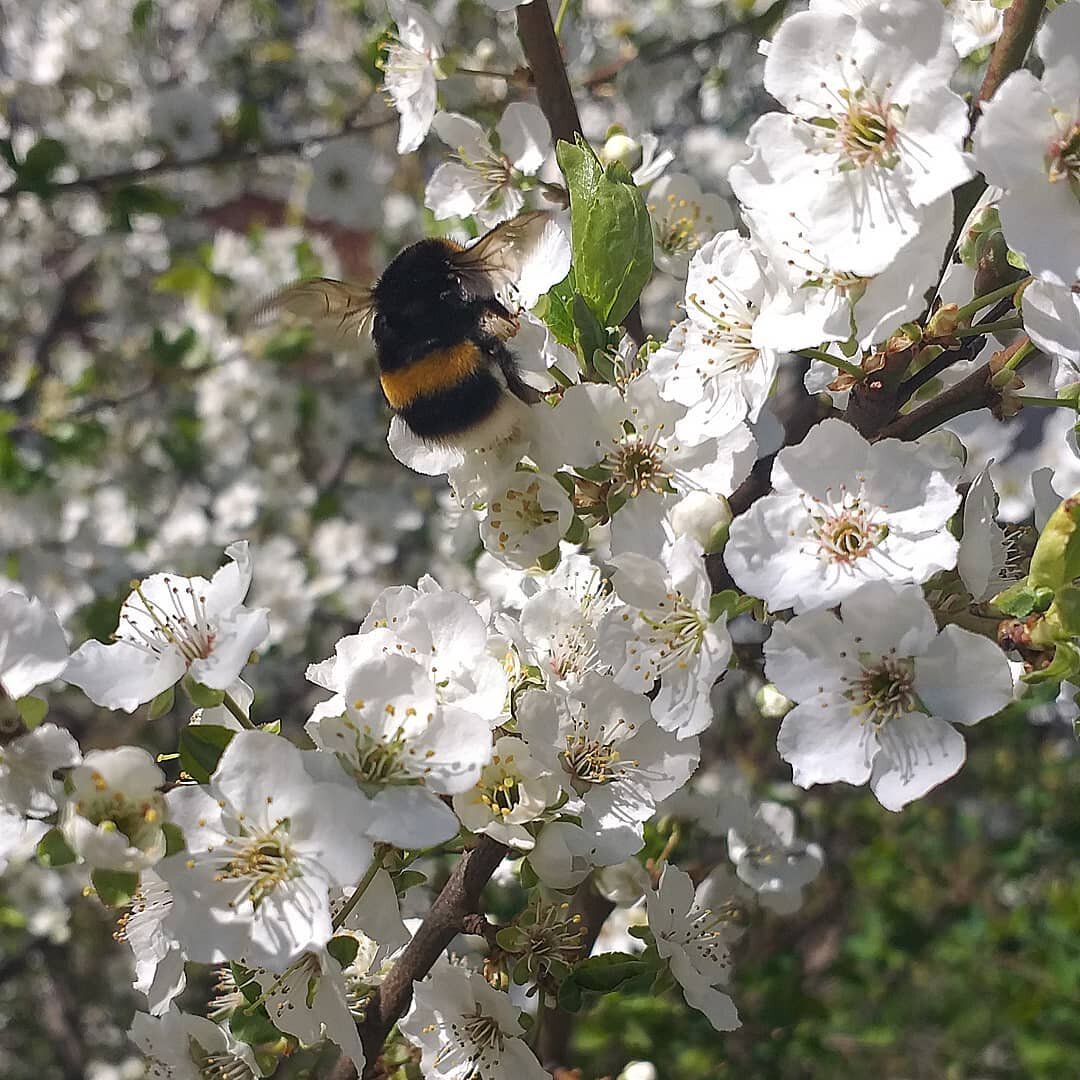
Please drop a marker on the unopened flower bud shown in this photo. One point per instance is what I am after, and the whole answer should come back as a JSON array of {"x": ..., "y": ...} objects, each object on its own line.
[
  {"x": 703, "y": 516},
  {"x": 620, "y": 147},
  {"x": 771, "y": 703}
]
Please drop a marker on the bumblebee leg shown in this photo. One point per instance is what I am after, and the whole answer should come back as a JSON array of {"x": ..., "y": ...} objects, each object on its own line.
[{"x": 508, "y": 365}]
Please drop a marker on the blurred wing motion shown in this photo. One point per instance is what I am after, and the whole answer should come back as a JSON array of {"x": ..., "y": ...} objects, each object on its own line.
[
  {"x": 501, "y": 253},
  {"x": 335, "y": 307}
]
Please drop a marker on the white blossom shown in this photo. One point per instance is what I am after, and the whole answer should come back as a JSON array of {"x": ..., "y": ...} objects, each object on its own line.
[
  {"x": 180, "y": 1046},
  {"x": 843, "y": 512},
  {"x": 467, "y": 1030},
  {"x": 514, "y": 788},
  {"x": 1028, "y": 142},
  {"x": 393, "y": 736},
  {"x": 683, "y": 218},
  {"x": 32, "y": 646},
  {"x": 27, "y": 764},
  {"x": 526, "y": 515},
  {"x": 711, "y": 360},
  {"x": 265, "y": 842},
  {"x": 171, "y": 626},
  {"x": 609, "y": 755},
  {"x": 484, "y": 182},
  {"x": 114, "y": 811},
  {"x": 411, "y": 71},
  {"x": 769, "y": 858},
  {"x": 665, "y": 632},
  {"x": 873, "y": 132},
  {"x": 879, "y": 690},
  {"x": 159, "y": 960},
  {"x": 694, "y": 934},
  {"x": 183, "y": 118}
]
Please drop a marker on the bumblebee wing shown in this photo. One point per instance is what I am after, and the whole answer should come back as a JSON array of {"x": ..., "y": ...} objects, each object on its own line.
[
  {"x": 337, "y": 307},
  {"x": 498, "y": 256}
]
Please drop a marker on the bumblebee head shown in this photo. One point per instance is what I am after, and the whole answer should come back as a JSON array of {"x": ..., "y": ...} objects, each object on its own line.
[{"x": 424, "y": 274}]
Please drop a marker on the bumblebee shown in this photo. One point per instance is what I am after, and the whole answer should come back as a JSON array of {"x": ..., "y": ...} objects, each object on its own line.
[{"x": 440, "y": 331}]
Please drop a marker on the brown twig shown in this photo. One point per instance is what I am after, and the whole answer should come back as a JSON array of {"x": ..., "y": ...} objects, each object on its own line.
[
  {"x": 536, "y": 31},
  {"x": 976, "y": 391},
  {"x": 459, "y": 898}
]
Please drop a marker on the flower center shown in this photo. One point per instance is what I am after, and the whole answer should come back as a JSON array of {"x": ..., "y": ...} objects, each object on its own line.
[
  {"x": 885, "y": 691},
  {"x": 519, "y": 512},
  {"x": 868, "y": 131},
  {"x": 500, "y": 788},
  {"x": 483, "y": 1031},
  {"x": 139, "y": 820},
  {"x": 1063, "y": 159},
  {"x": 262, "y": 862},
  {"x": 638, "y": 464},
  {"x": 213, "y": 1066},
  {"x": 679, "y": 630},
  {"x": 845, "y": 531},
  {"x": 596, "y": 760},
  {"x": 730, "y": 331},
  {"x": 153, "y": 627},
  {"x": 678, "y": 229},
  {"x": 375, "y": 760}
]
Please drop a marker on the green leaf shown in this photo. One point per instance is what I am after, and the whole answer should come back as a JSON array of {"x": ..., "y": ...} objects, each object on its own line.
[
  {"x": 174, "y": 838},
  {"x": 32, "y": 711},
  {"x": 35, "y": 171},
  {"x": 140, "y": 15},
  {"x": 729, "y": 602},
  {"x": 115, "y": 888},
  {"x": 139, "y": 199},
  {"x": 1022, "y": 599},
  {"x": 570, "y": 998},
  {"x": 611, "y": 234},
  {"x": 170, "y": 354},
  {"x": 512, "y": 938},
  {"x": 253, "y": 1028},
  {"x": 201, "y": 747},
  {"x": 1056, "y": 560},
  {"x": 589, "y": 335},
  {"x": 343, "y": 949},
  {"x": 408, "y": 879},
  {"x": 556, "y": 308},
  {"x": 163, "y": 703},
  {"x": 1062, "y": 621},
  {"x": 202, "y": 696},
  {"x": 527, "y": 875},
  {"x": 53, "y": 850},
  {"x": 609, "y": 971},
  {"x": 577, "y": 533}
]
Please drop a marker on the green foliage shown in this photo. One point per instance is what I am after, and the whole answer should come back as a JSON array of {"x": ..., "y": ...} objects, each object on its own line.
[
  {"x": 35, "y": 172},
  {"x": 53, "y": 850},
  {"x": 201, "y": 747},
  {"x": 138, "y": 199},
  {"x": 611, "y": 235},
  {"x": 115, "y": 888}
]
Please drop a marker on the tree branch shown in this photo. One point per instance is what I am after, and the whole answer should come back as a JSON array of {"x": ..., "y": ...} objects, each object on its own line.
[
  {"x": 1017, "y": 33},
  {"x": 975, "y": 391},
  {"x": 536, "y": 32},
  {"x": 226, "y": 156},
  {"x": 459, "y": 898}
]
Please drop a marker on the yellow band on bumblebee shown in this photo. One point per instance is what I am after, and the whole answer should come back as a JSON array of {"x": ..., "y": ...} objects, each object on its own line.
[{"x": 439, "y": 370}]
